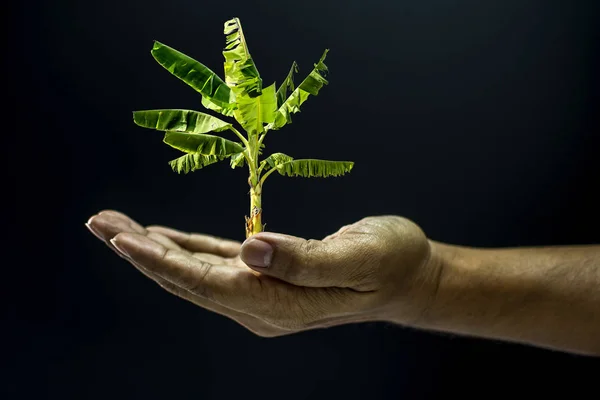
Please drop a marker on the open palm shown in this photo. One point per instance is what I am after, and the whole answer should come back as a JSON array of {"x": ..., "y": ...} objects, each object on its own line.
[{"x": 208, "y": 272}]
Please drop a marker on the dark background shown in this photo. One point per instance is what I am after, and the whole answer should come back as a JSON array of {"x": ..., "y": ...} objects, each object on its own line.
[{"x": 476, "y": 119}]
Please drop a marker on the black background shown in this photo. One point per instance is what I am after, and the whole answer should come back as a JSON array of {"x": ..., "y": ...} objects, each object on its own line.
[{"x": 476, "y": 119}]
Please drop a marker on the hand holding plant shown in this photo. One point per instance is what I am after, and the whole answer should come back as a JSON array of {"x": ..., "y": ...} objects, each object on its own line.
[{"x": 376, "y": 269}]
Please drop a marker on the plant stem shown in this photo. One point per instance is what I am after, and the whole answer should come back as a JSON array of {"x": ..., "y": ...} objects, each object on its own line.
[
  {"x": 254, "y": 222},
  {"x": 264, "y": 178},
  {"x": 262, "y": 137},
  {"x": 242, "y": 138}
]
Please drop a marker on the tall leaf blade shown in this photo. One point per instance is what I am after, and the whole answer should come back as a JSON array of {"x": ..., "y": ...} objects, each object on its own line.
[
  {"x": 192, "y": 162},
  {"x": 195, "y": 74},
  {"x": 311, "y": 85},
  {"x": 268, "y": 105},
  {"x": 202, "y": 144},
  {"x": 255, "y": 106},
  {"x": 288, "y": 84},
  {"x": 180, "y": 121},
  {"x": 241, "y": 74}
]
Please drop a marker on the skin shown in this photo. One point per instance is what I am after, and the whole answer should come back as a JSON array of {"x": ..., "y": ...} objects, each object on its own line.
[{"x": 377, "y": 269}]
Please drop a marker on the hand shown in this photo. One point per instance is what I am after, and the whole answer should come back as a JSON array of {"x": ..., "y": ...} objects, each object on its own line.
[{"x": 377, "y": 269}]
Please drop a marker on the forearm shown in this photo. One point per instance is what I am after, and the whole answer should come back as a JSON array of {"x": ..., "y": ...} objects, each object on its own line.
[{"x": 548, "y": 297}]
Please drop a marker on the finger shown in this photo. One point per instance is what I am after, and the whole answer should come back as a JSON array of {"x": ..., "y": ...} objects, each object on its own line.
[
  {"x": 287, "y": 306},
  {"x": 249, "y": 322},
  {"x": 200, "y": 243},
  {"x": 134, "y": 224},
  {"x": 206, "y": 257},
  {"x": 225, "y": 284},
  {"x": 337, "y": 262},
  {"x": 165, "y": 241},
  {"x": 107, "y": 224},
  {"x": 213, "y": 259},
  {"x": 338, "y": 233}
]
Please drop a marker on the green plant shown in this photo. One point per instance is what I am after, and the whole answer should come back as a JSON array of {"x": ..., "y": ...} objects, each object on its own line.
[{"x": 257, "y": 109}]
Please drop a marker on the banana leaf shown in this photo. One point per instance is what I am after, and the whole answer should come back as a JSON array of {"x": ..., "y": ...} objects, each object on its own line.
[
  {"x": 288, "y": 84},
  {"x": 228, "y": 112},
  {"x": 307, "y": 168},
  {"x": 192, "y": 162},
  {"x": 311, "y": 85},
  {"x": 180, "y": 121},
  {"x": 202, "y": 144},
  {"x": 195, "y": 74},
  {"x": 238, "y": 160},
  {"x": 253, "y": 113},
  {"x": 255, "y": 106},
  {"x": 241, "y": 73}
]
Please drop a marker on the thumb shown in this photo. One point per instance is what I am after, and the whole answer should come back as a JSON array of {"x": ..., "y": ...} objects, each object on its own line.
[{"x": 313, "y": 263}]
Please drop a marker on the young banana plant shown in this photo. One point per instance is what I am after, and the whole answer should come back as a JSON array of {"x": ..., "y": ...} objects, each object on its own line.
[{"x": 257, "y": 109}]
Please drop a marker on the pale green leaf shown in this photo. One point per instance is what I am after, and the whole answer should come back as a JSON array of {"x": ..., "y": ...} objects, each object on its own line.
[
  {"x": 238, "y": 160},
  {"x": 202, "y": 144},
  {"x": 255, "y": 106},
  {"x": 253, "y": 113},
  {"x": 315, "y": 168},
  {"x": 192, "y": 162},
  {"x": 228, "y": 112},
  {"x": 195, "y": 74},
  {"x": 275, "y": 159},
  {"x": 179, "y": 120},
  {"x": 241, "y": 75},
  {"x": 309, "y": 86}
]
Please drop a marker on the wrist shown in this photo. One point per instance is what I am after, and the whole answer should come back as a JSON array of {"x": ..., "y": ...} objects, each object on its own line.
[
  {"x": 415, "y": 297},
  {"x": 437, "y": 265}
]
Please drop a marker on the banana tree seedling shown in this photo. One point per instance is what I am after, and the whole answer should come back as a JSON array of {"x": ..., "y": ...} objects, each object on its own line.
[{"x": 257, "y": 109}]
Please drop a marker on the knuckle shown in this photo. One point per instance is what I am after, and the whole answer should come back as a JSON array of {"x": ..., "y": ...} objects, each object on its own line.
[
  {"x": 308, "y": 248},
  {"x": 303, "y": 258},
  {"x": 366, "y": 264}
]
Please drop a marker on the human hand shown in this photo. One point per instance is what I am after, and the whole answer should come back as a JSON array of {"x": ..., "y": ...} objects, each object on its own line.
[{"x": 377, "y": 269}]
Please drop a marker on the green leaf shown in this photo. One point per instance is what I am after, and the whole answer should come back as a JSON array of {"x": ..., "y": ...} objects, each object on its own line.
[
  {"x": 202, "y": 144},
  {"x": 192, "y": 162},
  {"x": 253, "y": 113},
  {"x": 180, "y": 121},
  {"x": 309, "y": 86},
  {"x": 275, "y": 159},
  {"x": 195, "y": 74},
  {"x": 238, "y": 160},
  {"x": 287, "y": 166},
  {"x": 315, "y": 168},
  {"x": 228, "y": 112},
  {"x": 288, "y": 84},
  {"x": 241, "y": 74},
  {"x": 255, "y": 106}
]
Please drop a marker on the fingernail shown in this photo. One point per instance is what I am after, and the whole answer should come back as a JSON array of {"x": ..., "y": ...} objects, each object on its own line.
[
  {"x": 87, "y": 224},
  {"x": 257, "y": 253},
  {"x": 121, "y": 250}
]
